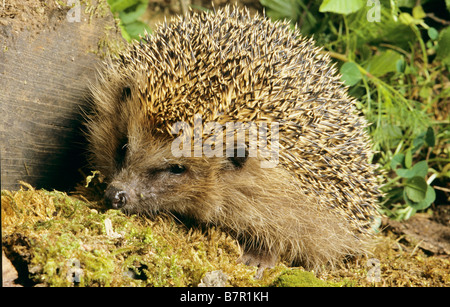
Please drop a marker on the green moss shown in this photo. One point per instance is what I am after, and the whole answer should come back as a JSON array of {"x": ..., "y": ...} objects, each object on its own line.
[
  {"x": 299, "y": 278},
  {"x": 65, "y": 242}
]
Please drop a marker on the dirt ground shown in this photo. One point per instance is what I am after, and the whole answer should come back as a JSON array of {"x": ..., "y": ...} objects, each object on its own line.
[{"x": 415, "y": 252}]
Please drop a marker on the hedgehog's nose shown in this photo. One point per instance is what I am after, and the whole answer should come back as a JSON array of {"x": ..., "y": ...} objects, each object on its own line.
[{"x": 116, "y": 198}]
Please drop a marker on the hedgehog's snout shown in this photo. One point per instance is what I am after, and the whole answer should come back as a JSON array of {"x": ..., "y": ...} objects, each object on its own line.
[{"x": 116, "y": 198}]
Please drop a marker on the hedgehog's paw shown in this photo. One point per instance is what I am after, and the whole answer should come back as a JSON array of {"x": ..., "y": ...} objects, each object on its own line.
[{"x": 259, "y": 259}]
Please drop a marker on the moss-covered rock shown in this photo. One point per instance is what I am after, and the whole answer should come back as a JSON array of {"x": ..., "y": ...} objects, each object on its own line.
[{"x": 65, "y": 241}]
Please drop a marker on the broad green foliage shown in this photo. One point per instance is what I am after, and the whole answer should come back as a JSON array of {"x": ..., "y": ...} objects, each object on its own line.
[
  {"x": 129, "y": 12},
  {"x": 341, "y": 6},
  {"x": 350, "y": 73}
]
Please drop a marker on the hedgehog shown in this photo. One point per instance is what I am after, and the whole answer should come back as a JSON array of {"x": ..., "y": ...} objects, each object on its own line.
[{"x": 312, "y": 204}]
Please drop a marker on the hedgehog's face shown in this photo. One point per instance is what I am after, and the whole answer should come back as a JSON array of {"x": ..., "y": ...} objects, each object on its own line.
[
  {"x": 143, "y": 174},
  {"x": 146, "y": 178}
]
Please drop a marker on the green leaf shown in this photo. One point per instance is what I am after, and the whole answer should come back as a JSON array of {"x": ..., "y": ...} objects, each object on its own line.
[
  {"x": 433, "y": 33},
  {"x": 404, "y": 173},
  {"x": 443, "y": 50},
  {"x": 419, "y": 141},
  {"x": 281, "y": 9},
  {"x": 393, "y": 133},
  {"x": 400, "y": 65},
  {"x": 397, "y": 160},
  {"x": 429, "y": 198},
  {"x": 420, "y": 169},
  {"x": 416, "y": 189},
  {"x": 120, "y": 5},
  {"x": 384, "y": 62},
  {"x": 418, "y": 12},
  {"x": 406, "y": 3},
  {"x": 407, "y": 19},
  {"x": 132, "y": 13},
  {"x": 408, "y": 159},
  {"x": 404, "y": 213},
  {"x": 341, "y": 6},
  {"x": 350, "y": 73},
  {"x": 125, "y": 33},
  {"x": 136, "y": 28},
  {"x": 430, "y": 138}
]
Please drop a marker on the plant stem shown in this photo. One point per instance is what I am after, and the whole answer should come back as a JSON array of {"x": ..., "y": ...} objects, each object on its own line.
[{"x": 424, "y": 50}]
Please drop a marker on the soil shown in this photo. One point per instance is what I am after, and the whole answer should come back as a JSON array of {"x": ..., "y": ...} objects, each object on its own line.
[
  {"x": 414, "y": 252},
  {"x": 430, "y": 232}
]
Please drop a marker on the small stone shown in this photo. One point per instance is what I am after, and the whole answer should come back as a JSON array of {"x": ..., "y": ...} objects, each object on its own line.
[{"x": 214, "y": 279}]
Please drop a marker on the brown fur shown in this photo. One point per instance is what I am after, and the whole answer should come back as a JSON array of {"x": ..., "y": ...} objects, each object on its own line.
[
  {"x": 284, "y": 211},
  {"x": 263, "y": 208}
]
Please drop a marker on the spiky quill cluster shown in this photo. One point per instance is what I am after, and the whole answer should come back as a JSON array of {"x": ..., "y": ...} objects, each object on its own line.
[{"x": 229, "y": 66}]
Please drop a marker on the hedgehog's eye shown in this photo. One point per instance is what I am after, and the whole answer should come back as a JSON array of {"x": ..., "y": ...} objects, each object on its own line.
[
  {"x": 177, "y": 169},
  {"x": 239, "y": 158},
  {"x": 121, "y": 152}
]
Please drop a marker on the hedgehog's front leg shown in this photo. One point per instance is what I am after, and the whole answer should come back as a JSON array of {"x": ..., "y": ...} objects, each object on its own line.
[{"x": 258, "y": 258}]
